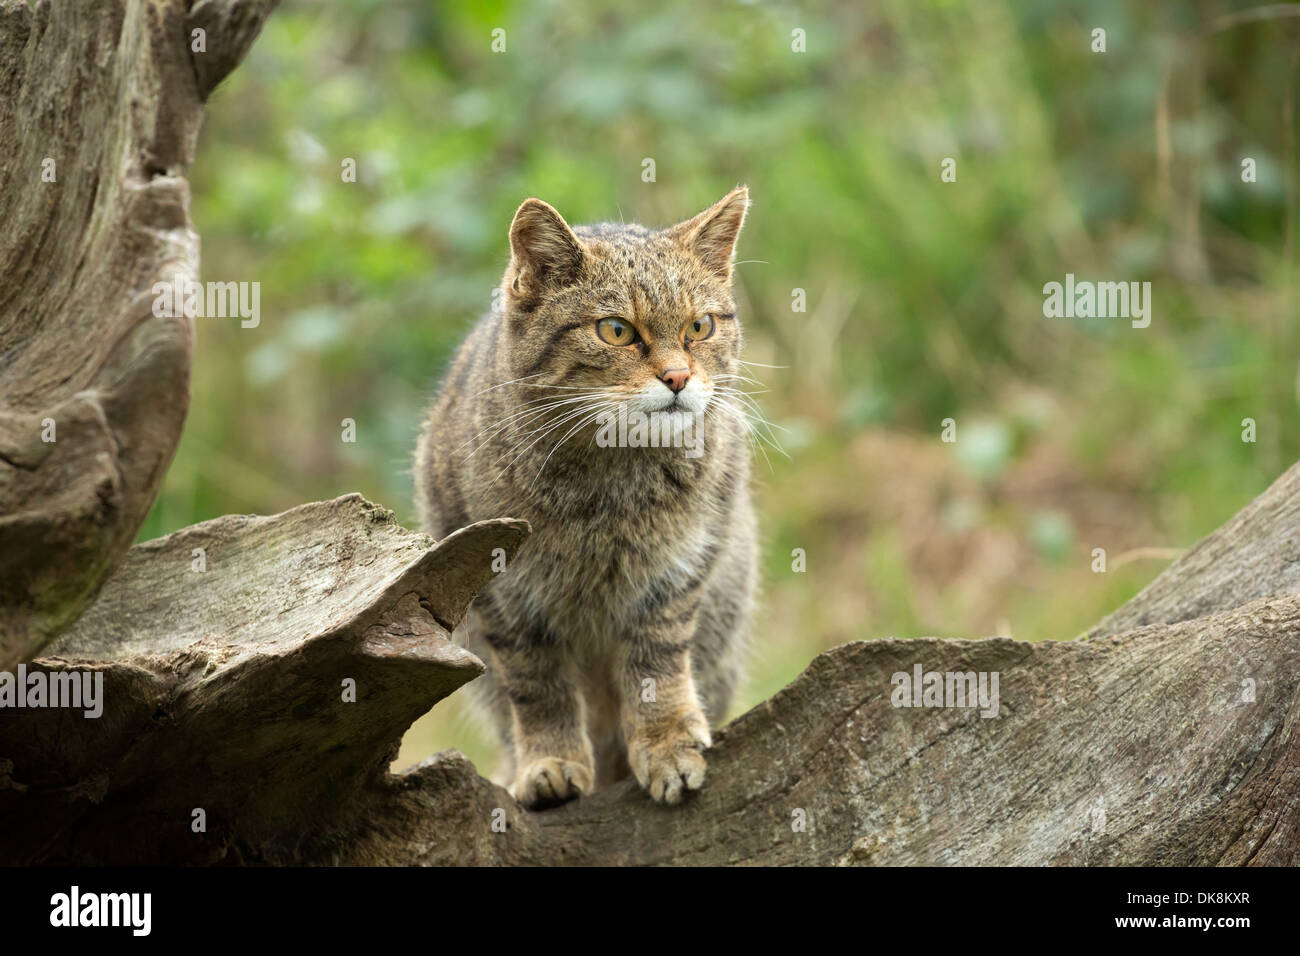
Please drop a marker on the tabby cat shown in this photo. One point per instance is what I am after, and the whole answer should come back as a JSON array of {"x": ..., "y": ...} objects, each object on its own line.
[{"x": 615, "y": 637}]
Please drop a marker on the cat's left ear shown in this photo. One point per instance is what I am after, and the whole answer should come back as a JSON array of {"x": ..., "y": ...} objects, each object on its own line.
[{"x": 713, "y": 233}]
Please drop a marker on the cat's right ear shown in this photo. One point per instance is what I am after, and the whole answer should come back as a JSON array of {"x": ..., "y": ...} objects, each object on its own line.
[{"x": 544, "y": 252}]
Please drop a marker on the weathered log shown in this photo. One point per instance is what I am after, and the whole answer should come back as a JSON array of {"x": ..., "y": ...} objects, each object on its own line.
[
  {"x": 100, "y": 106},
  {"x": 1139, "y": 747},
  {"x": 225, "y": 651},
  {"x": 1164, "y": 744},
  {"x": 1096, "y": 758}
]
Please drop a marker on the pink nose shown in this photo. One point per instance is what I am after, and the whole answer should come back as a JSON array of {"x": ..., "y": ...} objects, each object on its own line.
[{"x": 675, "y": 378}]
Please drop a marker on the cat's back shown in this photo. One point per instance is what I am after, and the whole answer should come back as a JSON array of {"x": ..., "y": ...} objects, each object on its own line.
[{"x": 451, "y": 427}]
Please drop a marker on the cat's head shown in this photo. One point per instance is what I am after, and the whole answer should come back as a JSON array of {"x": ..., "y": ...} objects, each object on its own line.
[{"x": 624, "y": 314}]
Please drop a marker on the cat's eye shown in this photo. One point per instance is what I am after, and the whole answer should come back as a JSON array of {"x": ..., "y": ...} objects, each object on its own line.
[
  {"x": 615, "y": 331},
  {"x": 700, "y": 329}
]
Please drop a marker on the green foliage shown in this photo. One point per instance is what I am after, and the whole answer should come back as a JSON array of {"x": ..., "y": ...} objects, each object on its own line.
[{"x": 924, "y": 298}]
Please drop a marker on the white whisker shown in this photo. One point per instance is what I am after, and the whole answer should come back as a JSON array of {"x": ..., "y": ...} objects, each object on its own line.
[
  {"x": 545, "y": 430},
  {"x": 595, "y": 414},
  {"x": 527, "y": 413}
]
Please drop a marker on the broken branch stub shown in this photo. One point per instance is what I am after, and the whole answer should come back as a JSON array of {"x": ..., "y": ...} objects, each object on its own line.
[{"x": 260, "y": 670}]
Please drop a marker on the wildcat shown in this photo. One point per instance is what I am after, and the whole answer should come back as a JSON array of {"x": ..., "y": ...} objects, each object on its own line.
[{"x": 614, "y": 639}]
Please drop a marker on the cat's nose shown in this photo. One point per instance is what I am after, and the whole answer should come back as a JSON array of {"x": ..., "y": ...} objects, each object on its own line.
[{"x": 675, "y": 378}]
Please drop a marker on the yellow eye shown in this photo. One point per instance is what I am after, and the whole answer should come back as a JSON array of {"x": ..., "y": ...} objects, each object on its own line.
[
  {"x": 614, "y": 331},
  {"x": 700, "y": 329}
]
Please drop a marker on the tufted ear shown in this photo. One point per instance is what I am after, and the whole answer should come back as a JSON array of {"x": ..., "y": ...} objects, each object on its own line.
[
  {"x": 544, "y": 252},
  {"x": 713, "y": 233}
]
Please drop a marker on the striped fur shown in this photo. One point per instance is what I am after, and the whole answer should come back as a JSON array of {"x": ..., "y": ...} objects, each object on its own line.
[{"x": 614, "y": 639}]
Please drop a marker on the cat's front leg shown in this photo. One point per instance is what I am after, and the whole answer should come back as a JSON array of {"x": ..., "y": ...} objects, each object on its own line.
[
  {"x": 663, "y": 725},
  {"x": 553, "y": 755}
]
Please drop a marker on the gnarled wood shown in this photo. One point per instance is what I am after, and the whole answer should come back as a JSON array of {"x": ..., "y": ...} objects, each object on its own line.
[
  {"x": 224, "y": 650},
  {"x": 105, "y": 97}
]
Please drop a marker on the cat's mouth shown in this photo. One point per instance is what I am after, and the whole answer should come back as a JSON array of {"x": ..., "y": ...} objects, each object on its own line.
[{"x": 678, "y": 406}]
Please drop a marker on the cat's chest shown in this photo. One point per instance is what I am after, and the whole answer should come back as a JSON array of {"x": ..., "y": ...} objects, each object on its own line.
[{"x": 590, "y": 579}]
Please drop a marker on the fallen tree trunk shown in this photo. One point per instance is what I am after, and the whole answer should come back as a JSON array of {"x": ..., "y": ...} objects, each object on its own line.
[
  {"x": 100, "y": 106},
  {"x": 1169, "y": 743}
]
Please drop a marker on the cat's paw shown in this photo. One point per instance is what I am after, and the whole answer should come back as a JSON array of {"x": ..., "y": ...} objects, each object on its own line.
[
  {"x": 551, "y": 781},
  {"x": 668, "y": 760}
]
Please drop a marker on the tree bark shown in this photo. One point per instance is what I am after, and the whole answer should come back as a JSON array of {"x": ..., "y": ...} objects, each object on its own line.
[{"x": 100, "y": 106}]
